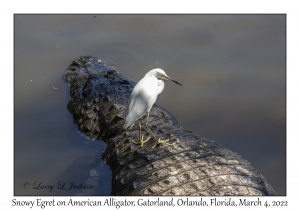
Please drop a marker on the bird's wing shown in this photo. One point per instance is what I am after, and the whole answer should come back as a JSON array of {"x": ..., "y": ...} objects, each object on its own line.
[
  {"x": 141, "y": 100},
  {"x": 144, "y": 91}
]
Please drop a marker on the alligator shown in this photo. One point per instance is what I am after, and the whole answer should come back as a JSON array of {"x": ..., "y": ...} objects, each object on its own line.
[{"x": 192, "y": 166}]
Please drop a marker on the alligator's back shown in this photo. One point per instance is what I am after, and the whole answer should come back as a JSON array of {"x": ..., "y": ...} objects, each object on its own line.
[{"x": 192, "y": 166}]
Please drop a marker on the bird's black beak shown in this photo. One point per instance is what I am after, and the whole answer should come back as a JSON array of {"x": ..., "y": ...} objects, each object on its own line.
[{"x": 171, "y": 79}]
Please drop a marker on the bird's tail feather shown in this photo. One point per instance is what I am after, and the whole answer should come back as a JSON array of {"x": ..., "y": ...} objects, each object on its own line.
[{"x": 130, "y": 120}]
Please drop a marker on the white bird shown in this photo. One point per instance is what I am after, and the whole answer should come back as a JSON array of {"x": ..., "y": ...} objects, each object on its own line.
[{"x": 142, "y": 98}]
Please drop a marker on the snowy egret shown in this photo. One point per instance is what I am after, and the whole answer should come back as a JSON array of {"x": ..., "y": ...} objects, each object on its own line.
[{"x": 142, "y": 99}]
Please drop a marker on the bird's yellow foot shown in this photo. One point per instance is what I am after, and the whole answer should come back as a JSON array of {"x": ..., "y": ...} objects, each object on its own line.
[
  {"x": 141, "y": 142},
  {"x": 162, "y": 142}
]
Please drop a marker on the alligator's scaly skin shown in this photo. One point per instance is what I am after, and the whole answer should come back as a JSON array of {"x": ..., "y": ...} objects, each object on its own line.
[{"x": 193, "y": 166}]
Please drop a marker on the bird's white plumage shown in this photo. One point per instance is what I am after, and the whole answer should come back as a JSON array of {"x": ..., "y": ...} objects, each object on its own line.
[
  {"x": 141, "y": 100},
  {"x": 144, "y": 96}
]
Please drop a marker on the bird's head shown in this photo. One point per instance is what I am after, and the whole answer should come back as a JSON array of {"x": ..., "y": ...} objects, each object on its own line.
[{"x": 160, "y": 74}]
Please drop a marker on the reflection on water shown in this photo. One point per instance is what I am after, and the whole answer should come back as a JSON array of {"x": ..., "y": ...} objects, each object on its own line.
[{"x": 232, "y": 68}]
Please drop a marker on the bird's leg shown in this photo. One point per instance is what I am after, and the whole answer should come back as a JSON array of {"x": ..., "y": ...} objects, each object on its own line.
[
  {"x": 141, "y": 142},
  {"x": 148, "y": 129},
  {"x": 159, "y": 141}
]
